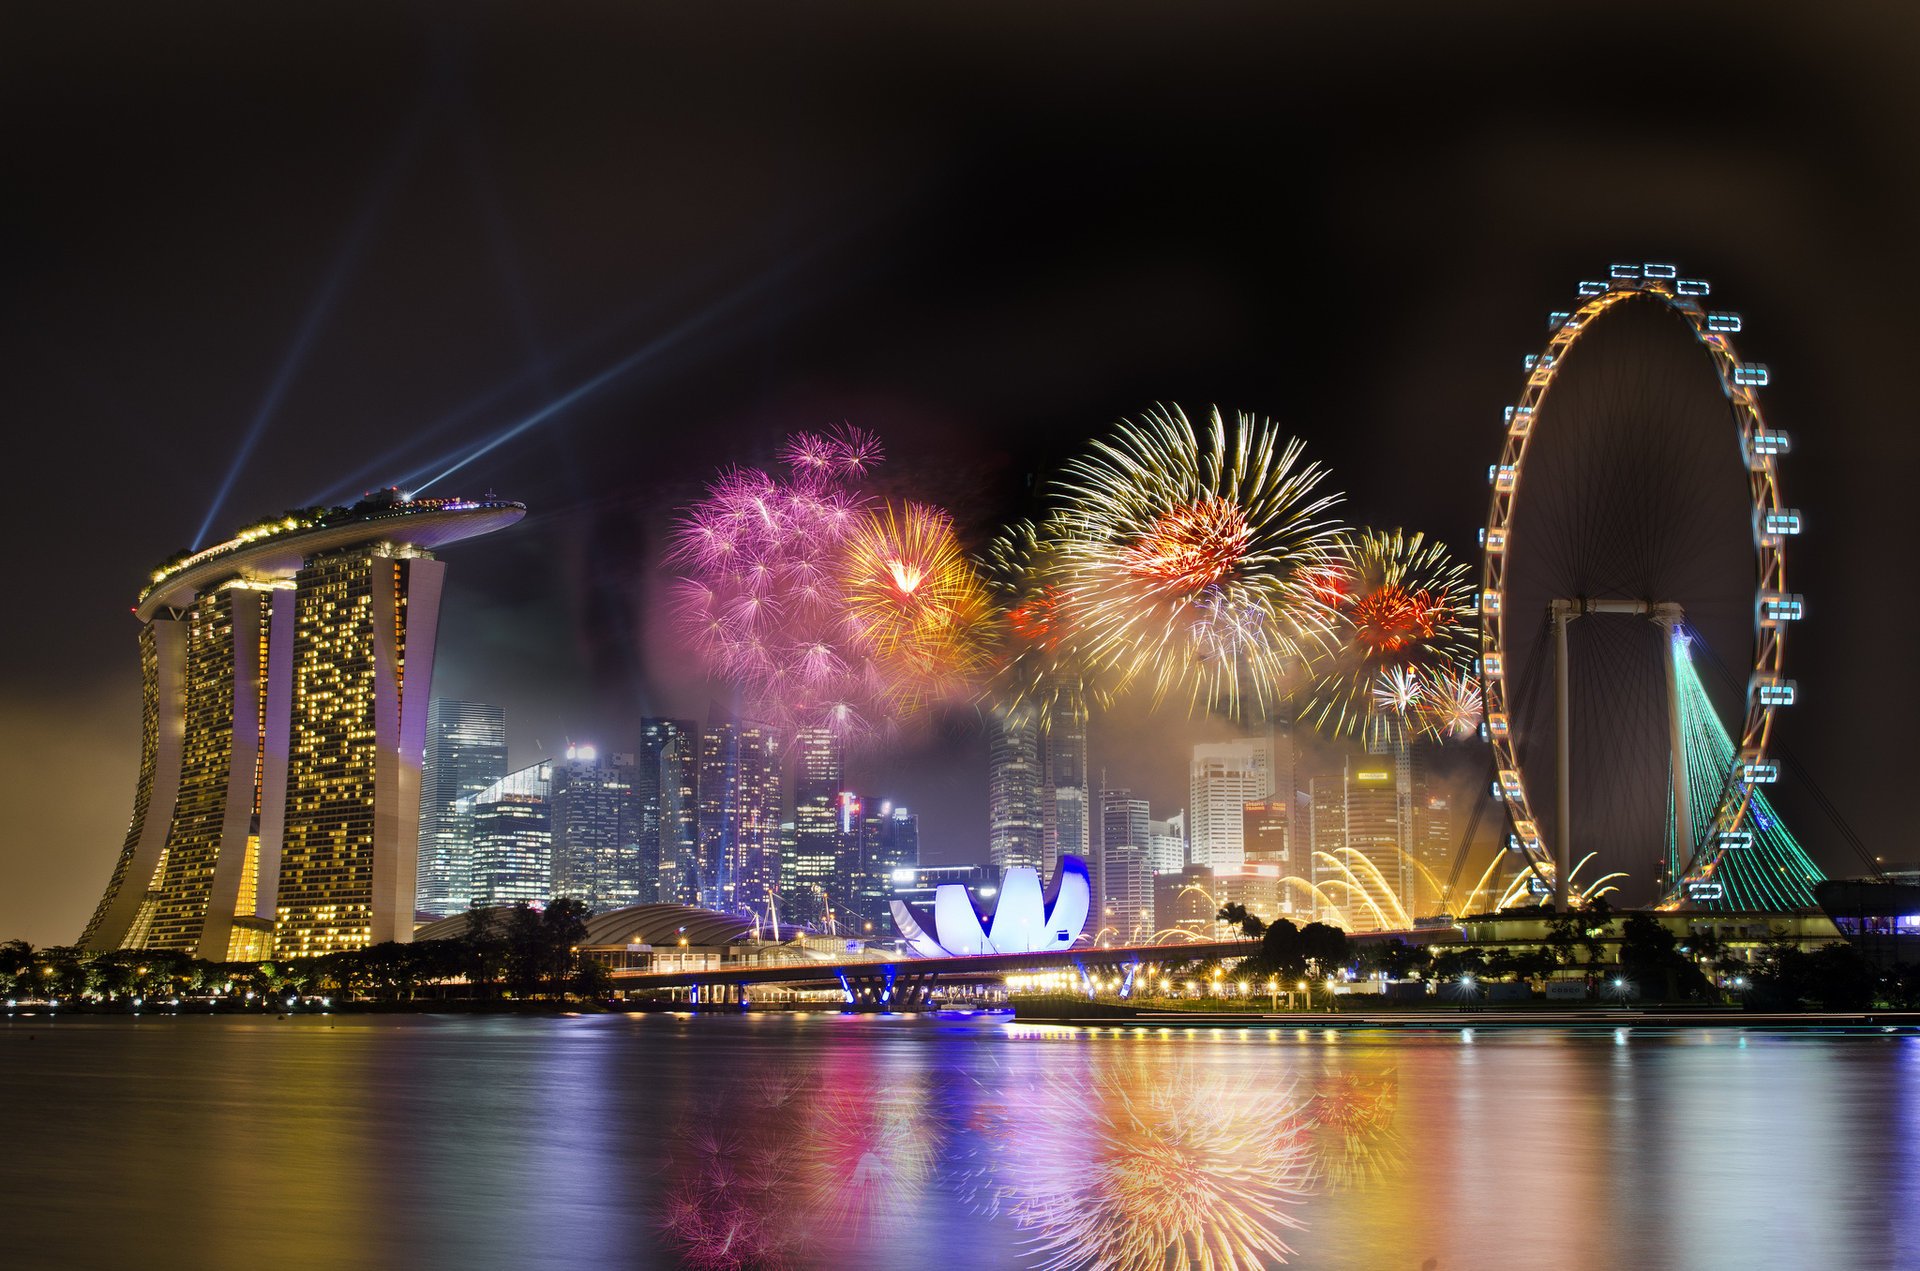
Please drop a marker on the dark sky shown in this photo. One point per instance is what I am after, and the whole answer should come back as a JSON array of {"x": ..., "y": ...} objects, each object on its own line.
[{"x": 389, "y": 232}]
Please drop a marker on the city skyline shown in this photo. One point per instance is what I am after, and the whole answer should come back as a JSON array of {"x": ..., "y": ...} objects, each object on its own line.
[{"x": 839, "y": 308}]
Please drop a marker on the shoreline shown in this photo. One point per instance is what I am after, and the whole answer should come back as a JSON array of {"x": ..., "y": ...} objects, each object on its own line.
[{"x": 1424, "y": 1020}]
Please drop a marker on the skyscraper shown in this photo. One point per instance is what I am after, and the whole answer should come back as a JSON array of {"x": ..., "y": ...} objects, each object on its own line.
[
  {"x": 665, "y": 786},
  {"x": 1225, "y": 777},
  {"x": 597, "y": 852},
  {"x": 1065, "y": 807},
  {"x": 286, "y": 675},
  {"x": 511, "y": 828},
  {"x": 1167, "y": 843},
  {"x": 739, "y": 796},
  {"x": 817, "y": 879},
  {"x": 1327, "y": 829},
  {"x": 1124, "y": 877},
  {"x": 1015, "y": 829},
  {"x": 891, "y": 845},
  {"x": 466, "y": 752},
  {"x": 1373, "y": 831},
  {"x": 1265, "y": 831}
]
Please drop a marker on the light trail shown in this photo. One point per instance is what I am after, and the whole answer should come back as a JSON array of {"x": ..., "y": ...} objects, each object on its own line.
[
  {"x": 358, "y": 231},
  {"x": 593, "y": 384}
]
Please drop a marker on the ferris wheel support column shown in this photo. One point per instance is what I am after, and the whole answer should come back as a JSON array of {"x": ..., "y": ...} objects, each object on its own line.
[
  {"x": 1563, "y": 612},
  {"x": 1669, "y": 616}
]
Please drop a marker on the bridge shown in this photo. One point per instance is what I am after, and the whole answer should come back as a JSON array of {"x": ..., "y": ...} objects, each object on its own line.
[{"x": 907, "y": 984}]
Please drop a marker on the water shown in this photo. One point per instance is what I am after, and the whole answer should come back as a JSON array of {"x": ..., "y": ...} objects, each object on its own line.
[{"x": 830, "y": 1141}]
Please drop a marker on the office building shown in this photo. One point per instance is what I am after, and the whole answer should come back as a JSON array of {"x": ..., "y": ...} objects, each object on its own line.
[
  {"x": 891, "y": 847},
  {"x": 1065, "y": 805},
  {"x": 814, "y": 882},
  {"x": 665, "y": 784},
  {"x": 1014, "y": 818},
  {"x": 740, "y": 799},
  {"x": 1225, "y": 777},
  {"x": 598, "y": 856},
  {"x": 1167, "y": 844},
  {"x": 511, "y": 829},
  {"x": 466, "y": 752}
]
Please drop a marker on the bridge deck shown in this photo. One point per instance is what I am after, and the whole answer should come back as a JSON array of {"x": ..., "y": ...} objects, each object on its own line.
[{"x": 992, "y": 964}]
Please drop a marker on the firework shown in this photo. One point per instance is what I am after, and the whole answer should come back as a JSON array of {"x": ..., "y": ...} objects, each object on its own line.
[
  {"x": 1170, "y": 1166},
  {"x": 1184, "y": 562},
  {"x": 1402, "y": 603},
  {"x": 913, "y": 604},
  {"x": 1450, "y": 705},
  {"x": 1351, "y": 1124},
  {"x": 825, "y": 608}
]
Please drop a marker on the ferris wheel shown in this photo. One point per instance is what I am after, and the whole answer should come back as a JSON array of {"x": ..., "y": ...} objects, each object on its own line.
[{"x": 1714, "y": 774}]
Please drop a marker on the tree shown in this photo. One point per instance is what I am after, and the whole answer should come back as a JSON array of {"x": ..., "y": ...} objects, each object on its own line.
[
  {"x": 1595, "y": 919},
  {"x": 1281, "y": 952},
  {"x": 1250, "y": 924},
  {"x": 1650, "y": 956},
  {"x": 1395, "y": 957},
  {"x": 1325, "y": 947}
]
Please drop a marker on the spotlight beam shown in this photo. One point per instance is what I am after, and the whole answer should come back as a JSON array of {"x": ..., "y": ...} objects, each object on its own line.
[
  {"x": 586, "y": 388},
  {"x": 344, "y": 258}
]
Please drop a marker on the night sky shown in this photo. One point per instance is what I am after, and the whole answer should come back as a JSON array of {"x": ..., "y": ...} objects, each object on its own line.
[{"x": 374, "y": 238}]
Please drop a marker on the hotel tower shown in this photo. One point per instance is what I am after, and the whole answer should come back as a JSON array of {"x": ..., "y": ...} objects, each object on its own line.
[{"x": 285, "y": 681}]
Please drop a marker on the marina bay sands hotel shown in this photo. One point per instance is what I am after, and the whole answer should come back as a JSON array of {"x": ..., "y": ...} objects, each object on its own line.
[{"x": 286, "y": 674}]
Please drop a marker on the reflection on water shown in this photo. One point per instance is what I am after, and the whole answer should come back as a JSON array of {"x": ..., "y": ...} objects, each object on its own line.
[{"x": 829, "y": 1141}]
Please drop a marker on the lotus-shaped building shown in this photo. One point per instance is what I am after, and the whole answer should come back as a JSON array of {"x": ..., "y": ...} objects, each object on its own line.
[{"x": 1026, "y": 920}]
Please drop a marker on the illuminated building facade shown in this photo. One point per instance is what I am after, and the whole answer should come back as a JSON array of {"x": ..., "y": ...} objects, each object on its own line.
[
  {"x": 1224, "y": 778},
  {"x": 1015, "y": 821},
  {"x": 739, "y": 800},
  {"x": 666, "y": 785},
  {"x": 1167, "y": 844},
  {"x": 890, "y": 848},
  {"x": 466, "y": 752},
  {"x": 598, "y": 857},
  {"x": 1065, "y": 808},
  {"x": 1123, "y": 868},
  {"x": 1373, "y": 830},
  {"x": 814, "y": 881},
  {"x": 512, "y": 832},
  {"x": 286, "y": 675}
]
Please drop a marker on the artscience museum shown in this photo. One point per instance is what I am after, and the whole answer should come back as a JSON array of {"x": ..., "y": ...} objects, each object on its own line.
[{"x": 1025, "y": 919}]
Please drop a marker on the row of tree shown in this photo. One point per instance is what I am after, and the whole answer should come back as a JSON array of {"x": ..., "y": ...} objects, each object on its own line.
[
  {"x": 1645, "y": 957},
  {"x": 525, "y": 953}
]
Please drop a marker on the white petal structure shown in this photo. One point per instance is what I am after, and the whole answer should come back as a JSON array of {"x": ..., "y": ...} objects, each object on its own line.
[{"x": 1026, "y": 920}]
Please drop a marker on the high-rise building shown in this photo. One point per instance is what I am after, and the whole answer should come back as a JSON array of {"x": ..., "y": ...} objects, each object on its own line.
[
  {"x": 598, "y": 856},
  {"x": 510, "y": 825},
  {"x": 1433, "y": 847},
  {"x": 1064, "y": 803},
  {"x": 1327, "y": 830},
  {"x": 1123, "y": 870},
  {"x": 1265, "y": 831},
  {"x": 850, "y": 826},
  {"x": 286, "y": 678},
  {"x": 1373, "y": 832},
  {"x": 665, "y": 785},
  {"x": 1184, "y": 899},
  {"x": 891, "y": 848},
  {"x": 815, "y": 882},
  {"x": 1167, "y": 843},
  {"x": 1014, "y": 817},
  {"x": 739, "y": 792},
  {"x": 466, "y": 752},
  {"x": 1225, "y": 777}
]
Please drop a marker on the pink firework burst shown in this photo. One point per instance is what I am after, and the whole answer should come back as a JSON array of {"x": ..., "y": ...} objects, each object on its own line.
[{"x": 762, "y": 593}]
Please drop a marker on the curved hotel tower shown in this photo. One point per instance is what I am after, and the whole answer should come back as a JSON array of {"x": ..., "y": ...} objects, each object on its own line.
[{"x": 286, "y": 675}]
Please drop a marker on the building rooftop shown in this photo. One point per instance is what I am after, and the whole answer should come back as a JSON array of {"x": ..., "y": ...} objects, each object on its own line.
[{"x": 276, "y": 549}]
